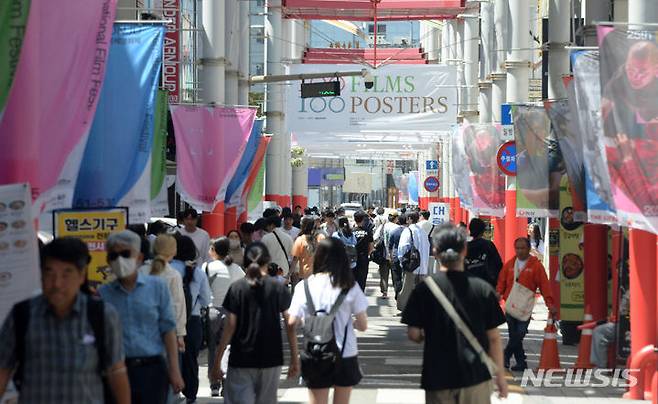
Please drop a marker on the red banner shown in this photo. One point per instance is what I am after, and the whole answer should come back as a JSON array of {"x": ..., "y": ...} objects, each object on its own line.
[{"x": 170, "y": 68}]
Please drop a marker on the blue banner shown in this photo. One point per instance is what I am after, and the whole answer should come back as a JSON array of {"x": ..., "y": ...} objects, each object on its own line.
[
  {"x": 234, "y": 189},
  {"x": 412, "y": 187},
  {"x": 116, "y": 167}
]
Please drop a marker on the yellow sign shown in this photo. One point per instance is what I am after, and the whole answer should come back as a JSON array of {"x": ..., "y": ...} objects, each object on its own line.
[
  {"x": 93, "y": 227},
  {"x": 572, "y": 265}
]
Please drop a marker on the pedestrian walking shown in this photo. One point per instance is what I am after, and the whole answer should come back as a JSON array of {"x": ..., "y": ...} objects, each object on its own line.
[
  {"x": 236, "y": 247},
  {"x": 221, "y": 272},
  {"x": 414, "y": 270},
  {"x": 63, "y": 344},
  {"x": 303, "y": 249},
  {"x": 197, "y": 296},
  {"x": 345, "y": 234},
  {"x": 482, "y": 259},
  {"x": 200, "y": 237},
  {"x": 329, "y": 226},
  {"x": 392, "y": 233},
  {"x": 279, "y": 245},
  {"x": 331, "y": 290},
  {"x": 147, "y": 321},
  {"x": 364, "y": 246},
  {"x": 254, "y": 306},
  {"x": 517, "y": 284},
  {"x": 456, "y": 316},
  {"x": 288, "y": 228}
]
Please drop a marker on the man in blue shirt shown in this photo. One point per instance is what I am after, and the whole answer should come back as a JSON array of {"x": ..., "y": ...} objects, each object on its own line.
[
  {"x": 149, "y": 329},
  {"x": 392, "y": 243}
]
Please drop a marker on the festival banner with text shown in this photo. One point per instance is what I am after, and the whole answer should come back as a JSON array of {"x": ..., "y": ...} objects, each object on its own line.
[
  {"x": 50, "y": 105},
  {"x": 210, "y": 142},
  {"x": 116, "y": 169},
  {"x": 629, "y": 107}
]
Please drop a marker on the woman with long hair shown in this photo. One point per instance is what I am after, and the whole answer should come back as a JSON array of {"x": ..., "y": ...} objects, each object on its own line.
[
  {"x": 254, "y": 306},
  {"x": 304, "y": 247},
  {"x": 332, "y": 276},
  {"x": 197, "y": 296},
  {"x": 221, "y": 272},
  {"x": 536, "y": 241},
  {"x": 346, "y": 235},
  {"x": 236, "y": 248}
]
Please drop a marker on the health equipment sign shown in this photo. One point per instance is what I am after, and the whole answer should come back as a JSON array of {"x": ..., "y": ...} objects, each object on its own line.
[{"x": 421, "y": 98}]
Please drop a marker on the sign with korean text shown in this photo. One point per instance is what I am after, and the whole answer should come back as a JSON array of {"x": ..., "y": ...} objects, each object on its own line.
[
  {"x": 170, "y": 67},
  {"x": 439, "y": 213},
  {"x": 93, "y": 227},
  {"x": 431, "y": 184},
  {"x": 506, "y": 158}
]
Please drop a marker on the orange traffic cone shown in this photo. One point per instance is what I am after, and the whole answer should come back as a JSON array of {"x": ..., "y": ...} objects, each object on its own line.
[
  {"x": 550, "y": 358},
  {"x": 585, "y": 345}
]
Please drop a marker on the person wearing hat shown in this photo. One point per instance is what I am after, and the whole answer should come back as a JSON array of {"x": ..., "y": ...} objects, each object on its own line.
[{"x": 147, "y": 320}]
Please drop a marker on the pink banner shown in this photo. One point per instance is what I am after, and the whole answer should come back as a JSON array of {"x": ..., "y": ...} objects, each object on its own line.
[
  {"x": 209, "y": 144},
  {"x": 51, "y": 105}
]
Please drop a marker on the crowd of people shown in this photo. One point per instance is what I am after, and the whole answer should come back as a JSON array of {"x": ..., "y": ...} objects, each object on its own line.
[{"x": 174, "y": 291}]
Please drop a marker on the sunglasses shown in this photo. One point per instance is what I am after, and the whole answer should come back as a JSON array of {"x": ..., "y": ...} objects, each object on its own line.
[{"x": 113, "y": 255}]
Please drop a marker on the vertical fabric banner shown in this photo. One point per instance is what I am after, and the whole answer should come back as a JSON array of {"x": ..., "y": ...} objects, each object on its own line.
[
  {"x": 629, "y": 107},
  {"x": 255, "y": 179},
  {"x": 460, "y": 169},
  {"x": 481, "y": 143},
  {"x": 209, "y": 144},
  {"x": 572, "y": 265},
  {"x": 255, "y": 197},
  {"x": 116, "y": 169},
  {"x": 13, "y": 20},
  {"x": 234, "y": 190},
  {"x": 539, "y": 164},
  {"x": 50, "y": 106},
  {"x": 412, "y": 186},
  {"x": 159, "y": 202},
  {"x": 569, "y": 139}
]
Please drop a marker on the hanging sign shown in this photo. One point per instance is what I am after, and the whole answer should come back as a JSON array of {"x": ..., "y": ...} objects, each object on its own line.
[
  {"x": 506, "y": 158},
  {"x": 439, "y": 213},
  {"x": 431, "y": 184}
]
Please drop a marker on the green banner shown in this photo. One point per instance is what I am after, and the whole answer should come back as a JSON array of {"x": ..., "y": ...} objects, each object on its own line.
[
  {"x": 158, "y": 155},
  {"x": 256, "y": 194},
  {"x": 13, "y": 23},
  {"x": 572, "y": 274}
]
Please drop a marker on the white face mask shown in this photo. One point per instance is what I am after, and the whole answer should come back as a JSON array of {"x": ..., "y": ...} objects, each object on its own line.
[
  {"x": 234, "y": 244},
  {"x": 123, "y": 267}
]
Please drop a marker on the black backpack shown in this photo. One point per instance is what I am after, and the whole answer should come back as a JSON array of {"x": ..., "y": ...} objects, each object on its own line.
[
  {"x": 411, "y": 259},
  {"x": 320, "y": 351},
  {"x": 96, "y": 318}
]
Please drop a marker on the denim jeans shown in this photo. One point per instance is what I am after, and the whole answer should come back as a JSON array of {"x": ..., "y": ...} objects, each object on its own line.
[{"x": 517, "y": 331}]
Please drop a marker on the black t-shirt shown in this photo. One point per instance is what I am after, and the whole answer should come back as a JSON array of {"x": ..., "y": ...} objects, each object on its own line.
[
  {"x": 363, "y": 239},
  {"x": 482, "y": 260},
  {"x": 257, "y": 340},
  {"x": 449, "y": 362}
]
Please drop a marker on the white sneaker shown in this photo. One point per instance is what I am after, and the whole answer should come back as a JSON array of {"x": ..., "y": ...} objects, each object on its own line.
[{"x": 214, "y": 392}]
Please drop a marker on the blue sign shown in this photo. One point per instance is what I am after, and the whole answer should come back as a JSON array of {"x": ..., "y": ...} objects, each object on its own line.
[
  {"x": 506, "y": 114},
  {"x": 431, "y": 164},
  {"x": 431, "y": 184},
  {"x": 506, "y": 158}
]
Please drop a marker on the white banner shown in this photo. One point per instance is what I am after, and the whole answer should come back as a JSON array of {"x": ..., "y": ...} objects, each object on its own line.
[
  {"x": 403, "y": 97},
  {"x": 359, "y": 183}
]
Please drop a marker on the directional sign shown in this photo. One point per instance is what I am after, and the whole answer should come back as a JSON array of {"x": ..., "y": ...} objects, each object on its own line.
[
  {"x": 506, "y": 114},
  {"x": 431, "y": 184},
  {"x": 506, "y": 158},
  {"x": 432, "y": 165},
  {"x": 439, "y": 213}
]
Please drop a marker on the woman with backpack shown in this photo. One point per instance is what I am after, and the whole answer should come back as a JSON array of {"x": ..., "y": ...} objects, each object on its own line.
[
  {"x": 346, "y": 235},
  {"x": 254, "y": 306},
  {"x": 303, "y": 249},
  {"x": 332, "y": 291},
  {"x": 197, "y": 295}
]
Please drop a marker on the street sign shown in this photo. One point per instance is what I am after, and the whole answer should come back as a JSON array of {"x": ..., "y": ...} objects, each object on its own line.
[
  {"x": 506, "y": 114},
  {"x": 323, "y": 89},
  {"x": 439, "y": 213},
  {"x": 506, "y": 158},
  {"x": 431, "y": 184},
  {"x": 432, "y": 165}
]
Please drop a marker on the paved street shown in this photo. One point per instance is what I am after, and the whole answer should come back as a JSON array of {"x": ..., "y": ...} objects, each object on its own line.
[{"x": 391, "y": 364}]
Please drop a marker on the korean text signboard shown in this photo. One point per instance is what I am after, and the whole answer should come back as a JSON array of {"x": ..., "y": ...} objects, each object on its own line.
[
  {"x": 439, "y": 213},
  {"x": 93, "y": 227}
]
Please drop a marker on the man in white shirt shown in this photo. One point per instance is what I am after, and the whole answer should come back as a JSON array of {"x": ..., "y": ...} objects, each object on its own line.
[
  {"x": 198, "y": 235},
  {"x": 278, "y": 243},
  {"x": 421, "y": 242},
  {"x": 428, "y": 228},
  {"x": 379, "y": 222},
  {"x": 288, "y": 220}
]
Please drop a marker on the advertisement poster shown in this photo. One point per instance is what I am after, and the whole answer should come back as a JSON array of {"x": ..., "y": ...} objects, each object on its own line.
[
  {"x": 159, "y": 202},
  {"x": 413, "y": 97},
  {"x": 587, "y": 97},
  {"x": 629, "y": 108},
  {"x": 539, "y": 163},
  {"x": 571, "y": 275},
  {"x": 93, "y": 227},
  {"x": 487, "y": 182},
  {"x": 20, "y": 276}
]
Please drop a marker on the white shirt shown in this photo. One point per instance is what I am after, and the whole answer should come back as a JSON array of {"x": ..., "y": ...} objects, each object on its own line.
[
  {"x": 324, "y": 295},
  {"x": 175, "y": 284},
  {"x": 426, "y": 225},
  {"x": 275, "y": 250},
  {"x": 421, "y": 242},
  {"x": 201, "y": 241},
  {"x": 388, "y": 229},
  {"x": 293, "y": 232},
  {"x": 379, "y": 222},
  {"x": 221, "y": 277}
]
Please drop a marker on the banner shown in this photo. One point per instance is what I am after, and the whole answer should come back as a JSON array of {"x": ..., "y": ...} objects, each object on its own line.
[
  {"x": 412, "y": 186},
  {"x": 254, "y": 186},
  {"x": 19, "y": 254},
  {"x": 50, "y": 106},
  {"x": 461, "y": 175},
  {"x": 172, "y": 53},
  {"x": 209, "y": 144},
  {"x": 572, "y": 265},
  {"x": 564, "y": 129},
  {"x": 539, "y": 164},
  {"x": 255, "y": 197},
  {"x": 13, "y": 20},
  {"x": 487, "y": 182},
  {"x": 629, "y": 107},
  {"x": 93, "y": 227},
  {"x": 358, "y": 183},
  {"x": 403, "y": 97},
  {"x": 159, "y": 188},
  {"x": 587, "y": 92},
  {"x": 234, "y": 190},
  {"x": 116, "y": 168}
]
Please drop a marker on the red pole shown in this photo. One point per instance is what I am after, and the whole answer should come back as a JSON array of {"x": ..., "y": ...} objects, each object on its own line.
[
  {"x": 231, "y": 219},
  {"x": 617, "y": 256},
  {"x": 596, "y": 270},
  {"x": 458, "y": 211},
  {"x": 514, "y": 227},
  {"x": 499, "y": 234},
  {"x": 213, "y": 222},
  {"x": 553, "y": 259}
]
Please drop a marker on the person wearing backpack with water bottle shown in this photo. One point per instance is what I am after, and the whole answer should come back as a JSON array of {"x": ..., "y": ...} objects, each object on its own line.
[
  {"x": 346, "y": 235},
  {"x": 325, "y": 304}
]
